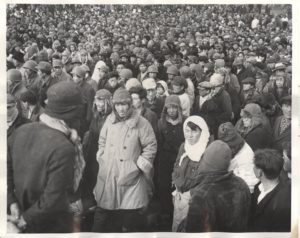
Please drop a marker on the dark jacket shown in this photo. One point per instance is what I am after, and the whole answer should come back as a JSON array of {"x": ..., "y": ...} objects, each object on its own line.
[
  {"x": 258, "y": 137},
  {"x": 91, "y": 168},
  {"x": 243, "y": 74},
  {"x": 219, "y": 203},
  {"x": 224, "y": 107},
  {"x": 157, "y": 106},
  {"x": 273, "y": 213},
  {"x": 42, "y": 163},
  {"x": 152, "y": 118},
  {"x": 279, "y": 138},
  {"x": 208, "y": 112}
]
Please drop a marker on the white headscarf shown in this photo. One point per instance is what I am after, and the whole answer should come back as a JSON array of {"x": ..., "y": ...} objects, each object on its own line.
[{"x": 194, "y": 152}]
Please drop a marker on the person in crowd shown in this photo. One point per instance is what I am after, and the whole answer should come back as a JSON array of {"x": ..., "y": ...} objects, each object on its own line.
[
  {"x": 124, "y": 183},
  {"x": 162, "y": 89},
  {"x": 186, "y": 73},
  {"x": 248, "y": 91},
  {"x": 222, "y": 99},
  {"x": 153, "y": 72},
  {"x": 172, "y": 71},
  {"x": 187, "y": 164},
  {"x": 38, "y": 195},
  {"x": 58, "y": 73},
  {"x": 143, "y": 73},
  {"x": 139, "y": 97},
  {"x": 170, "y": 138},
  {"x": 153, "y": 102},
  {"x": 252, "y": 128},
  {"x": 217, "y": 193},
  {"x": 271, "y": 200},
  {"x": 88, "y": 94},
  {"x": 242, "y": 154},
  {"x": 112, "y": 82},
  {"x": 101, "y": 109},
  {"x": 44, "y": 72},
  {"x": 179, "y": 86},
  {"x": 282, "y": 126},
  {"x": 286, "y": 173},
  {"x": 31, "y": 104},
  {"x": 32, "y": 81}
]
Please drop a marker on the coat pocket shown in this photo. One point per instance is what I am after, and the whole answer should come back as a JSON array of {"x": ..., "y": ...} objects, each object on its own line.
[{"x": 128, "y": 173}]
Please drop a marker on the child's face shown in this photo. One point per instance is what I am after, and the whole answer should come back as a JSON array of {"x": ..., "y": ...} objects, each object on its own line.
[{"x": 160, "y": 90}]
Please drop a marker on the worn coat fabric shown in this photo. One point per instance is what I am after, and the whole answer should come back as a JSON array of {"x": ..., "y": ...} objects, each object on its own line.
[
  {"x": 219, "y": 203},
  {"x": 152, "y": 118},
  {"x": 278, "y": 137},
  {"x": 42, "y": 163},
  {"x": 125, "y": 156},
  {"x": 273, "y": 212}
]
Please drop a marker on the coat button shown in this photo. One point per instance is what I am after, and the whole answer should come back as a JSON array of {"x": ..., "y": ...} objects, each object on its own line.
[
  {"x": 121, "y": 160},
  {"x": 124, "y": 147}
]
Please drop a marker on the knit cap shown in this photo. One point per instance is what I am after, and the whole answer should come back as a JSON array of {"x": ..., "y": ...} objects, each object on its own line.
[
  {"x": 57, "y": 63},
  {"x": 64, "y": 101},
  {"x": 149, "y": 83},
  {"x": 251, "y": 110},
  {"x": 45, "y": 67},
  {"x": 121, "y": 95},
  {"x": 152, "y": 69},
  {"x": 172, "y": 70},
  {"x": 14, "y": 76},
  {"x": 125, "y": 74},
  {"x": 185, "y": 72},
  {"x": 229, "y": 134},
  {"x": 172, "y": 100},
  {"x": 42, "y": 56},
  {"x": 216, "y": 157},
  {"x": 30, "y": 64},
  {"x": 132, "y": 82},
  {"x": 103, "y": 94},
  {"x": 179, "y": 81},
  {"x": 138, "y": 90},
  {"x": 219, "y": 63}
]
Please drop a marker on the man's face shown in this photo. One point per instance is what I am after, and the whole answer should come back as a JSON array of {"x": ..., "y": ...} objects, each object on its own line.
[
  {"x": 101, "y": 74},
  {"x": 177, "y": 88},
  {"x": 136, "y": 101},
  {"x": 170, "y": 77},
  {"x": 247, "y": 121},
  {"x": 119, "y": 68},
  {"x": 122, "y": 109},
  {"x": 279, "y": 81},
  {"x": 10, "y": 110},
  {"x": 203, "y": 92},
  {"x": 57, "y": 70},
  {"x": 151, "y": 94}
]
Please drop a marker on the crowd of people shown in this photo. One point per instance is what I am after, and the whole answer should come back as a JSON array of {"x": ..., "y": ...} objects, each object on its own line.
[{"x": 147, "y": 118}]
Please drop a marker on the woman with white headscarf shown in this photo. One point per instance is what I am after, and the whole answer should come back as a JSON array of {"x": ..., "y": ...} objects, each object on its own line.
[{"x": 184, "y": 175}]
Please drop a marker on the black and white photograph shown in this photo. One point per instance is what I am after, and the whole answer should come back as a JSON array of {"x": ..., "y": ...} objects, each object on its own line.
[{"x": 149, "y": 118}]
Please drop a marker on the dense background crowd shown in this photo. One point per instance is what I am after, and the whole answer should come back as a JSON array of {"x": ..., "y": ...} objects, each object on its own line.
[{"x": 231, "y": 65}]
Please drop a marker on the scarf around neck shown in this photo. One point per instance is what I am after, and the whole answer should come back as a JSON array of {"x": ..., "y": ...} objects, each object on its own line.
[
  {"x": 72, "y": 135},
  {"x": 195, "y": 152}
]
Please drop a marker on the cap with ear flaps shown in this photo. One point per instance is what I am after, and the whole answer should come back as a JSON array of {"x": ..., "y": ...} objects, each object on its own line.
[{"x": 121, "y": 95}]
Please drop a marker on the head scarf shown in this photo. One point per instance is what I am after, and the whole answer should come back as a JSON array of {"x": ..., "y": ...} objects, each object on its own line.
[{"x": 195, "y": 152}]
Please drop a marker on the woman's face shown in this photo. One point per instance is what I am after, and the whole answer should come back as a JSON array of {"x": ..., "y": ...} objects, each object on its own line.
[
  {"x": 192, "y": 136},
  {"x": 247, "y": 121},
  {"x": 286, "y": 110}
]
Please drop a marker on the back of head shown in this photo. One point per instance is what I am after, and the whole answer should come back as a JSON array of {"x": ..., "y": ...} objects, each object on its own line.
[
  {"x": 216, "y": 157},
  {"x": 14, "y": 76},
  {"x": 64, "y": 101},
  {"x": 269, "y": 161}
]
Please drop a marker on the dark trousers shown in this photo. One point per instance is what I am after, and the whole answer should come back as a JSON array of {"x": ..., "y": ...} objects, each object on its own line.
[{"x": 131, "y": 220}]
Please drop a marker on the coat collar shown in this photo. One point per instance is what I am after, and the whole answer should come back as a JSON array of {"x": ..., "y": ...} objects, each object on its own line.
[{"x": 131, "y": 122}]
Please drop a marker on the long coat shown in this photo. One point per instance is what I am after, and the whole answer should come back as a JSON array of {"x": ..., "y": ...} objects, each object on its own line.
[
  {"x": 273, "y": 212},
  {"x": 125, "y": 156},
  {"x": 41, "y": 162}
]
